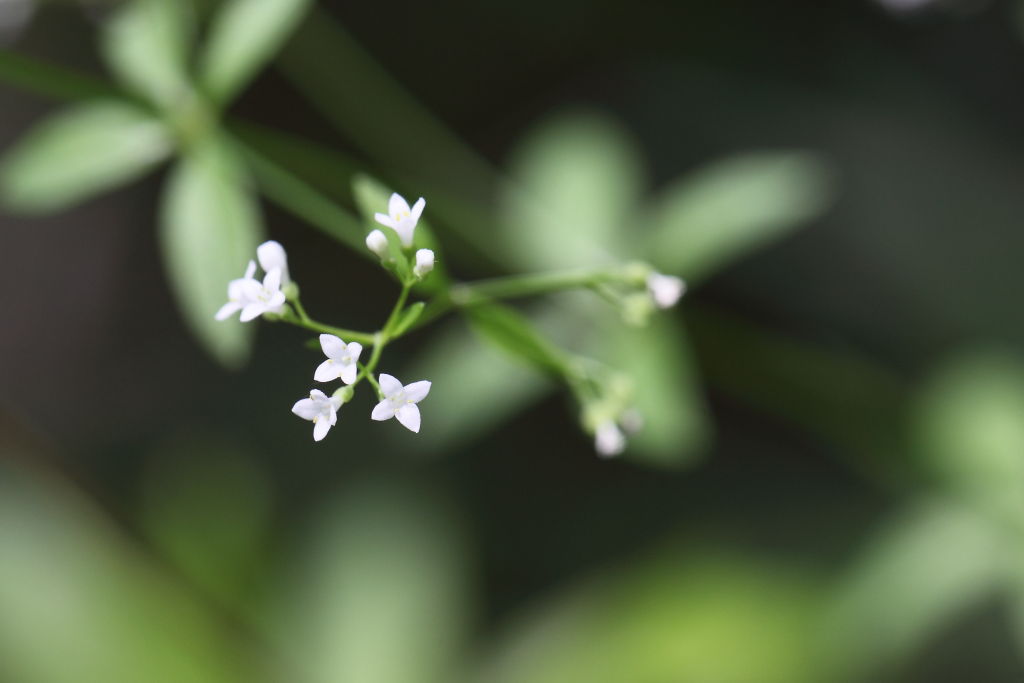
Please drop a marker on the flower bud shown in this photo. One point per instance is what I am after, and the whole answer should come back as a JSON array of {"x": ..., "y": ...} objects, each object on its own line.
[
  {"x": 424, "y": 263},
  {"x": 377, "y": 243},
  {"x": 665, "y": 290},
  {"x": 272, "y": 255},
  {"x": 609, "y": 440}
]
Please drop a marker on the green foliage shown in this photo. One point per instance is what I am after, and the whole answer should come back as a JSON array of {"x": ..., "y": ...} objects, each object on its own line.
[
  {"x": 409, "y": 318},
  {"x": 81, "y": 152},
  {"x": 243, "y": 37},
  {"x": 513, "y": 333},
  {"x": 146, "y": 44},
  {"x": 209, "y": 230}
]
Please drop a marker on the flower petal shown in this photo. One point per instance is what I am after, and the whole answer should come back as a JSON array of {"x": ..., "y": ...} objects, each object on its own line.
[
  {"x": 272, "y": 255},
  {"x": 250, "y": 270},
  {"x": 383, "y": 411},
  {"x": 318, "y": 396},
  {"x": 227, "y": 310},
  {"x": 272, "y": 282},
  {"x": 385, "y": 220},
  {"x": 251, "y": 312},
  {"x": 417, "y": 391},
  {"x": 397, "y": 206},
  {"x": 327, "y": 371},
  {"x": 417, "y": 208},
  {"x": 333, "y": 346},
  {"x": 409, "y": 416},
  {"x": 348, "y": 373},
  {"x": 354, "y": 349},
  {"x": 305, "y": 408},
  {"x": 320, "y": 429},
  {"x": 389, "y": 385}
]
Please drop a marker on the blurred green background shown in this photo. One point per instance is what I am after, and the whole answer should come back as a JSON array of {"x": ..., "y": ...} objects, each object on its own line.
[{"x": 830, "y": 484}]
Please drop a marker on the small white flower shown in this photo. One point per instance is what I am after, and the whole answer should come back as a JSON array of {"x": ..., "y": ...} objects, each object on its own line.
[
  {"x": 401, "y": 401},
  {"x": 665, "y": 290},
  {"x": 252, "y": 297},
  {"x": 272, "y": 255},
  {"x": 609, "y": 440},
  {"x": 424, "y": 263},
  {"x": 341, "y": 360},
  {"x": 377, "y": 243},
  {"x": 401, "y": 218},
  {"x": 321, "y": 409}
]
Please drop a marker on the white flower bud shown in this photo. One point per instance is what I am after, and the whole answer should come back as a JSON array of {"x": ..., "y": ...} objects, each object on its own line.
[
  {"x": 424, "y": 263},
  {"x": 665, "y": 290},
  {"x": 609, "y": 440},
  {"x": 271, "y": 255},
  {"x": 377, "y": 243}
]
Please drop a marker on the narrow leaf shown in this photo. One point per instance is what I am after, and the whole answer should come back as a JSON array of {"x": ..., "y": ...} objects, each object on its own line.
[
  {"x": 513, "y": 333},
  {"x": 410, "y": 316},
  {"x": 81, "y": 152},
  {"x": 210, "y": 228}
]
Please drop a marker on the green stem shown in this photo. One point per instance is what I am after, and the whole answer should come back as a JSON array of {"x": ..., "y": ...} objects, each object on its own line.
[
  {"x": 302, "y": 320},
  {"x": 395, "y": 313}
]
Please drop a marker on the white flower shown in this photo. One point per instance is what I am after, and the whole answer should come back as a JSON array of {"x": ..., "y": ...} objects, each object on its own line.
[
  {"x": 341, "y": 360},
  {"x": 401, "y": 401},
  {"x": 401, "y": 218},
  {"x": 271, "y": 255},
  {"x": 608, "y": 439},
  {"x": 377, "y": 243},
  {"x": 252, "y": 297},
  {"x": 321, "y": 409},
  {"x": 665, "y": 290},
  {"x": 424, "y": 263}
]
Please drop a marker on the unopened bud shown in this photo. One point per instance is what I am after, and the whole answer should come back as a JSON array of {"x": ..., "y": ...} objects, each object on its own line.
[
  {"x": 665, "y": 290},
  {"x": 424, "y": 263},
  {"x": 377, "y": 243}
]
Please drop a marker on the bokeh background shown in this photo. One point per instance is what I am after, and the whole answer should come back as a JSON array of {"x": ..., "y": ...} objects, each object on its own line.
[{"x": 832, "y": 485}]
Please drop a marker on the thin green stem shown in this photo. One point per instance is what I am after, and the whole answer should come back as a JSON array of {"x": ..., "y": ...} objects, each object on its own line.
[
  {"x": 395, "y": 313},
  {"x": 310, "y": 324}
]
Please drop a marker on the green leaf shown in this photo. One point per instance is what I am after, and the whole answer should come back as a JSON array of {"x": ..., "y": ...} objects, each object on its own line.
[
  {"x": 703, "y": 222},
  {"x": 580, "y": 178},
  {"x": 410, "y": 316},
  {"x": 146, "y": 45},
  {"x": 667, "y": 392},
  {"x": 924, "y": 570},
  {"x": 81, "y": 152},
  {"x": 381, "y": 593},
  {"x": 210, "y": 227},
  {"x": 512, "y": 332},
  {"x": 245, "y": 35}
]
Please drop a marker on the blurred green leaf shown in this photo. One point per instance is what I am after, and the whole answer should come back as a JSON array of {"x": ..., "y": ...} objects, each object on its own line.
[
  {"x": 724, "y": 211},
  {"x": 78, "y": 603},
  {"x": 146, "y": 45},
  {"x": 410, "y": 316},
  {"x": 206, "y": 507},
  {"x": 669, "y": 621},
  {"x": 667, "y": 390},
  {"x": 210, "y": 227},
  {"x": 245, "y": 34},
  {"x": 381, "y": 597},
  {"x": 580, "y": 179},
  {"x": 81, "y": 152},
  {"x": 513, "y": 333},
  {"x": 921, "y": 572},
  {"x": 970, "y": 429}
]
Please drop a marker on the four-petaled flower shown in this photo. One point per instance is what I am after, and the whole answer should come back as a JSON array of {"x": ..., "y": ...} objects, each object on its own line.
[
  {"x": 252, "y": 297},
  {"x": 341, "y": 360},
  {"x": 665, "y": 290},
  {"x": 321, "y": 409},
  {"x": 401, "y": 218},
  {"x": 400, "y": 401}
]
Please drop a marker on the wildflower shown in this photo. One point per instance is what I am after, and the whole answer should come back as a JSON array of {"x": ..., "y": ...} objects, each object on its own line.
[
  {"x": 665, "y": 290},
  {"x": 401, "y": 218},
  {"x": 609, "y": 440},
  {"x": 321, "y": 409},
  {"x": 271, "y": 255},
  {"x": 424, "y": 263},
  {"x": 341, "y": 360},
  {"x": 377, "y": 243},
  {"x": 252, "y": 297},
  {"x": 400, "y": 401}
]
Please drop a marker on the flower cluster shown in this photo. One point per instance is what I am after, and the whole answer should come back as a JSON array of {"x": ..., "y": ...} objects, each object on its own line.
[{"x": 252, "y": 297}]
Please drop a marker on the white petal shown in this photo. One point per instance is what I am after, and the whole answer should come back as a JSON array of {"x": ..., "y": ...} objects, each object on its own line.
[
  {"x": 354, "y": 349},
  {"x": 333, "y": 346},
  {"x": 417, "y": 208},
  {"x": 405, "y": 230},
  {"x": 383, "y": 219},
  {"x": 348, "y": 373},
  {"x": 383, "y": 411},
  {"x": 250, "y": 270},
  {"x": 271, "y": 256},
  {"x": 318, "y": 396},
  {"x": 275, "y": 304},
  {"x": 397, "y": 205},
  {"x": 272, "y": 282},
  {"x": 609, "y": 440},
  {"x": 227, "y": 310},
  {"x": 389, "y": 385},
  {"x": 305, "y": 408},
  {"x": 252, "y": 311},
  {"x": 320, "y": 429},
  {"x": 334, "y": 415},
  {"x": 417, "y": 391},
  {"x": 665, "y": 289},
  {"x": 376, "y": 241},
  {"x": 327, "y": 371},
  {"x": 409, "y": 416}
]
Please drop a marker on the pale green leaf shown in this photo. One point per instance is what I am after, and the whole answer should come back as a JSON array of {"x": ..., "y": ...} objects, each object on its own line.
[
  {"x": 719, "y": 214},
  {"x": 210, "y": 227},
  {"x": 146, "y": 45},
  {"x": 81, "y": 152},
  {"x": 513, "y": 333},
  {"x": 245, "y": 35},
  {"x": 579, "y": 179}
]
